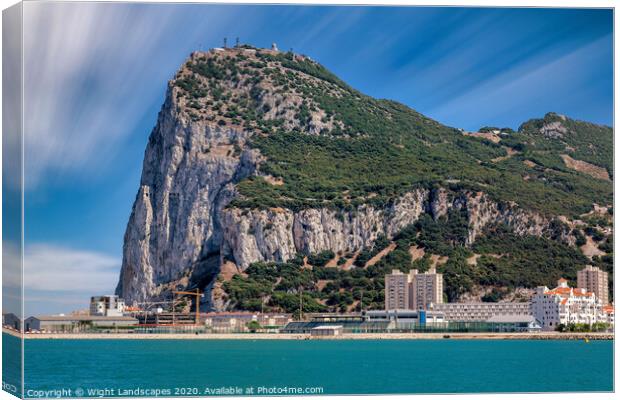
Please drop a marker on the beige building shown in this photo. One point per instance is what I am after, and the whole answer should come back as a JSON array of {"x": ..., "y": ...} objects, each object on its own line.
[
  {"x": 397, "y": 290},
  {"x": 481, "y": 311},
  {"x": 413, "y": 291},
  {"x": 426, "y": 289},
  {"x": 594, "y": 280}
]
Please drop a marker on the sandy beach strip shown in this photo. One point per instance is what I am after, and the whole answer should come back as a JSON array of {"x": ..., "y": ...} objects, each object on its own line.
[{"x": 345, "y": 336}]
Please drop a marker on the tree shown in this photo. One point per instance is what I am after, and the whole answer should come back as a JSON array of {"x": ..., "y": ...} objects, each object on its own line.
[{"x": 253, "y": 326}]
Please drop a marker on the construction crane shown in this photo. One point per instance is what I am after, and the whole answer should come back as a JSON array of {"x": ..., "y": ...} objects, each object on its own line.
[{"x": 194, "y": 293}]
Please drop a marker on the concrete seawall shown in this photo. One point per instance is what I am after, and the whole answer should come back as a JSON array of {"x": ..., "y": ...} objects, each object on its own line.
[{"x": 346, "y": 336}]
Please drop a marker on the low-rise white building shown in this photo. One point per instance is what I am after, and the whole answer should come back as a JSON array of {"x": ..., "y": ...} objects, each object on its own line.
[
  {"x": 326, "y": 330},
  {"x": 608, "y": 314},
  {"x": 481, "y": 311},
  {"x": 565, "y": 305}
]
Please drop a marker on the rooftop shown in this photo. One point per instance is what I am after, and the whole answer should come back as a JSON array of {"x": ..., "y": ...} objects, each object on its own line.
[
  {"x": 330, "y": 327},
  {"x": 511, "y": 318},
  {"x": 81, "y": 318}
]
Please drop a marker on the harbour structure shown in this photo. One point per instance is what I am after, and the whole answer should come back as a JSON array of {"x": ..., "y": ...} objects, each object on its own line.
[
  {"x": 565, "y": 305},
  {"x": 108, "y": 306},
  {"x": 414, "y": 291},
  {"x": 594, "y": 280},
  {"x": 77, "y": 323},
  {"x": 481, "y": 311}
]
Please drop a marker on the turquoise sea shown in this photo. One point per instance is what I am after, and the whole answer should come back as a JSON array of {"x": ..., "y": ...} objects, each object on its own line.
[{"x": 199, "y": 367}]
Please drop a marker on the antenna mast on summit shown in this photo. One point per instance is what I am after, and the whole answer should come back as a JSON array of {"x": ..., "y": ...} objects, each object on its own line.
[
  {"x": 225, "y": 42},
  {"x": 237, "y": 42}
]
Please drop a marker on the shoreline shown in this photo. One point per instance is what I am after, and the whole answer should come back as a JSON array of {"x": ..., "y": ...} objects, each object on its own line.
[{"x": 344, "y": 336}]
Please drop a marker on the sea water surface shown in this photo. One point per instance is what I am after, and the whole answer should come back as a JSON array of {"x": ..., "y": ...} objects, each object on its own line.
[{"x": 201, "y": 367}]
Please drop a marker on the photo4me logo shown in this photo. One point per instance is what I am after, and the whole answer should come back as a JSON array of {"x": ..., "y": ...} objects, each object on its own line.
[{"x": 288, "y": 390}]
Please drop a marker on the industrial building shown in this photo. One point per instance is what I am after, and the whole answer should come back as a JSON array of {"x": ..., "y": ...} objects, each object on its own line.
[
  {"x": 77, "y": 323},
  {"x": 11, "y": 321}
]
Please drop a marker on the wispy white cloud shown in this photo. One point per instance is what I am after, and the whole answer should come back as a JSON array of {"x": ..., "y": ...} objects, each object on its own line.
[
  {"x": 92, "y": 70},
  {"x": 55, "y": 268},
  {"x": 55, "y": 278},
  {"x": 61, "y": 279}
]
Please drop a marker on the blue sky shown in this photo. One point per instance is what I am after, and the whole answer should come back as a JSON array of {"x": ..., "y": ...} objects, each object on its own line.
[{"x": 96, "y": 76}]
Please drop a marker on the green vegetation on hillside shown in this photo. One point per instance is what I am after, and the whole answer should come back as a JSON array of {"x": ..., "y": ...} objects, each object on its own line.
[
  {"x": 372, "y": 151},
  {"x": 507, "y": 261},
  {"x": 344, "y": 173},
  {"x": 583, "y": 140}
]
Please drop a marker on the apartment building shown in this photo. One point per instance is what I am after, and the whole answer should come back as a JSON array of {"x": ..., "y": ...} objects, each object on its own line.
[
  {"x": 413, "y": 291},
  {"x": 426, "y": 289},
  {"x": 594, "y": 280},
  {"x": 397, "y": 285},
  {"x": 566, "y": 305},
  {"x": 480, "y": 311}
]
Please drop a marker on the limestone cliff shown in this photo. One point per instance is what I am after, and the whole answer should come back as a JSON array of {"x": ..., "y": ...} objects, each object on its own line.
[
  {"x": 188, "y": 176},
  {"x": 278, "y": 234}
]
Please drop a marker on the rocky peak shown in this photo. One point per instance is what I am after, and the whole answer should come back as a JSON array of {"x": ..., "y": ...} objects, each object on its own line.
[
  {"x": 256, "y": 90},
  {"x": 552, "y": 126}
]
